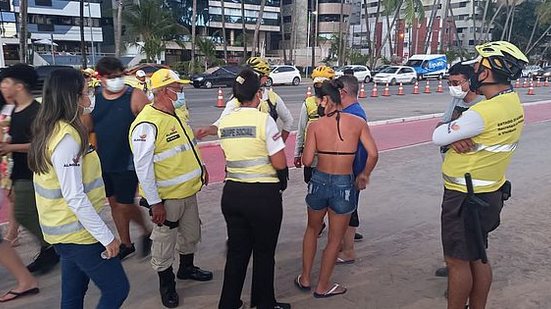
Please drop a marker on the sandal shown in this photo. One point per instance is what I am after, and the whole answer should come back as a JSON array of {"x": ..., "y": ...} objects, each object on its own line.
[
  {"x": 16, "y": 295},
  {"x": 341, "y": 261},
  {"x": 331, "y": 292},
  {"x": 300, "y": 286}
]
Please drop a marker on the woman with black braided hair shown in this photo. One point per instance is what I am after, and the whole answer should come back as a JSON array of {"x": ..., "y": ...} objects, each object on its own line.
[{"x": 332, "y": 189}]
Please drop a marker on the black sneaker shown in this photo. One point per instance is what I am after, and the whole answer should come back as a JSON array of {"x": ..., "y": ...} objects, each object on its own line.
[
  {"x": 146, "y": 245},
  {"x": 441, "y": 272},
  {"x": 194, "y": 273},
  {"x": 358, "y": 237},
  {"x": 125, "y": 251},
  {"x": 45, "y": 261},
  {"x": 282, "y": 306}
]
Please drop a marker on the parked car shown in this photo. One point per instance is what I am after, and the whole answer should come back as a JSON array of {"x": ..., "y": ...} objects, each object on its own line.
[
  {"x": 148, "y": 68},
  {"x": 44, "y": 72},
  {"x": 396, "y": 74},
  {"x": 216, "y": 76},
  {"x": 532, "y": 71},
  {"x": 284, "y": 74},
  {"x": 379, "y": 69},
  {"x": 546, "y": 72},
  {"x": 361, "y": 72}
]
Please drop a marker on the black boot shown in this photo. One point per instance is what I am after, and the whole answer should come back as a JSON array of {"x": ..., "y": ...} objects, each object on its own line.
[
  {"x": 46, "y": 260},
  {"x": 167, "y": 287},
  {"x": 189, "y": 271}
]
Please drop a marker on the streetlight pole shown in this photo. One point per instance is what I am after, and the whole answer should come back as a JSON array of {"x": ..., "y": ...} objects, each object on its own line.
[
  {"x": 91, "y": 34},
  {"x": 308, "y": 38},
  {"x": 314, "y": 32}
]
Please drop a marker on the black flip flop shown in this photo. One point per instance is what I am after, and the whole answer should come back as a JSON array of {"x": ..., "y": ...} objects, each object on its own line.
[
  {"x": 300, "y": 286},
  {"x": 17, "y": 295},
  {"x": 331, "y": 292}
]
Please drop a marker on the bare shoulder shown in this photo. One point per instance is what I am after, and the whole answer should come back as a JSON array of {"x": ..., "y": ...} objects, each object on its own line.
[{"x": 357, "y": 120}]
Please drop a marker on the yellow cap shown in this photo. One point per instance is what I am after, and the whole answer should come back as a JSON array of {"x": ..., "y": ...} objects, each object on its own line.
[{"x": 164, "y": 77}]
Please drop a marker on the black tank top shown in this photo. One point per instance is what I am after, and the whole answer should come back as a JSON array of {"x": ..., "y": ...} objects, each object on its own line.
[{"x": 112, "y": 120}]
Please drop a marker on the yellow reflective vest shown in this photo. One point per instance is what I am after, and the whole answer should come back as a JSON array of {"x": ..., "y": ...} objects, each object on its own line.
[
  {"x": 503, "y": 118},
  {"x": 176, "y": 159},
  {"x": 59, "y": 224},
  {"x": 311, "y": 111},
  {"x": 242, "y": 136}
]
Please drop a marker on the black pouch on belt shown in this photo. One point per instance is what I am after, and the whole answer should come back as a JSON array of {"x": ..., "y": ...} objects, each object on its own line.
[
  {"x": 171, "y": 224},
  {"x": 506, "y": 190}
]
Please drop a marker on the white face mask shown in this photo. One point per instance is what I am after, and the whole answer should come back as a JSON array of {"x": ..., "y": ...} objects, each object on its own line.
[
  {"x": 457, "y": 92},
  {"x": 88, "y": 109},
  {"x": 114, "y": 84},
  {"x": 180, "y": 99}
]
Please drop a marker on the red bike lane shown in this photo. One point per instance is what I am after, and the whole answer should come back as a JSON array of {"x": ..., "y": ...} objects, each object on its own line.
[{"x": 388, "y": 136}]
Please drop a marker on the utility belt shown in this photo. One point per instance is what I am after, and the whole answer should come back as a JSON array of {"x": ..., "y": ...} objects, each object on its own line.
[{"x": 170, "y": 224}]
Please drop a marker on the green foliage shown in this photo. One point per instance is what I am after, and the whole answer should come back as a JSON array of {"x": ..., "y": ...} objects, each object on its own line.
[
  {"x": 152, "y": 24},
  {"x": 454, "y": 54},
  {"x": 413, "y": 9},
  {"x": 206, "y": 50},
  {"x": 355, "y": 57}
]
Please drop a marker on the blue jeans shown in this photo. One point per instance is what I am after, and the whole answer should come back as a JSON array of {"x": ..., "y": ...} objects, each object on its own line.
[
  {"x": 336, "y": 192},
  {"x": 79, "y": 264}
]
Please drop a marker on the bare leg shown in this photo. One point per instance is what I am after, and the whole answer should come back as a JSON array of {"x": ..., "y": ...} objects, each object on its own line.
[
  {"x": 310, "y": 243},
  {"x": 460, "y": 282},
  {"x": 337, "y": 227},
  {"x": 12, "y": 262},
  {"x": 13, "y": 225},
  {"x": 482, "y": 280},
  {"x": 122, "y": 221},
  {"x": 347, "y": 251}
]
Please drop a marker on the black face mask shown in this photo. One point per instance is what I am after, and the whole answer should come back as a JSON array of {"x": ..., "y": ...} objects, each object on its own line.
[
  {"x": 321, "y": 111},
  {"x": 474, "y": 83}
]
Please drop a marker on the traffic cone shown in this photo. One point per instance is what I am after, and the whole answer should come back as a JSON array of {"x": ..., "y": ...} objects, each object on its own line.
[
  {"x": 401, "y": 89},
  {"x": 517, "y": 83},
  {"x": 416, "y": 88},
  {"x": 220, "y": 100},
  {"x": 362, "y": 92},
  {"x": 427, "y": 87},
  {"x": 386, "y": 92},
  {"x": 309, "y": 92},
  {"x": 374, "y": 92},
  {"x": 546, "y": 83},
  {"x": 525, "y": 84},
  {"x": 439, "y": 89},
  {"x": 531, "y": 89},
  {"x": 538, "y": 83}
]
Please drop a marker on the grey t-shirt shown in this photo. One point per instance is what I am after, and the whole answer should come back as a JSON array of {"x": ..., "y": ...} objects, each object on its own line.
[{"x": 447, "y": 117}]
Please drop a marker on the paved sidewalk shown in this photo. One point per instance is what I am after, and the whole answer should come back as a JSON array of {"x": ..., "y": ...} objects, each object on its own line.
[{"x": 400, "y": 222}]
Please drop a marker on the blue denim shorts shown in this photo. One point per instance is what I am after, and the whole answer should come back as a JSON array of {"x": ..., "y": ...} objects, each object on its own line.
[{"x": 336, "y": 192}]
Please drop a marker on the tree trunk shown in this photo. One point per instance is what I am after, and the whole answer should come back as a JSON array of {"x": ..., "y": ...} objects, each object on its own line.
[
  {"x": 255, "y": 51},
  {"x": 224, "y": 32},
  {"x": 510, "y": 11},
  {"x": 511, "y": 25},
  {"x": 23, "y": 20},
  {"x": 388, "y": 36},
  {"x": 444, "y": 22},
  {"x": 82, "y": 41},
  {"x": 375, "y": 55},
  {"x": 118, "y": 29},
  {"x": 474, "y": 20},
  {"x": 193, "y": 33},
  {"x": 293, "y": 38},
  {"x": 533, "y": 31},
  {"x": 484, "y": 19},
  {"x": 431, "y": 22},
  {"x": 368, "y": 33},
  {"x": 244, "y": 30},
  {"x": 283, "y": 47},
  {"x": 456, "y": 34},
  {"x": 341, "y": 39},
  {"x": 487, "y": 34},
  {"x": 538, "y": 40}
]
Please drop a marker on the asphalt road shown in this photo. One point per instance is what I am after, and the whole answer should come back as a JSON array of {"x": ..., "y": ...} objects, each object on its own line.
[{"x": 201, "y": 102}]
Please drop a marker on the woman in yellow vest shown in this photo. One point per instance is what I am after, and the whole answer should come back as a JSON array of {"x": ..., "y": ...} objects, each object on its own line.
[
  {"x": 70, "y": 194},
  {"x": 310, "y": 112},
  {"x": 256, "y": 174},
  {"x": 332, "y": 191}
]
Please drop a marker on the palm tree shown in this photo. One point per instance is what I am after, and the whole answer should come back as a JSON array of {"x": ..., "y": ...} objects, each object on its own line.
[
  {"x": 82, "y": 42},
  {"x": 224, "y": 32},
  {"x": 207, "y": 49},
  {"x": 244, "y": 30},
  {"x": 340, "y": 36},
  {"x": 257, "y": 28},
  {"x": 118, "y": 26},
  {"x": 152, "y": 25},
  {"x": 23, "y": 20},
  {"x": 283, "y": 45},
  {"x": 193, "y": 32}
]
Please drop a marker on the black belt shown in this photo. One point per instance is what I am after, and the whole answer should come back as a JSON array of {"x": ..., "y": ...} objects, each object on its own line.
[{"x": 171, "y": 224}]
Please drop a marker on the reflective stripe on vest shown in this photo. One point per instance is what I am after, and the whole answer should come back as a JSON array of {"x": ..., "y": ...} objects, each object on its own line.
[
  {"x": 248, "y": 163},
  {"x": 63, "y": 229},
  {"x": 53, "y": 194},
  {"x": 180, "y": 179},
  {"x": 248, "y": 176},
  {"x": 461, "y": 181},
  {"x": 496, "y": 148},
  {"x": 172, "y": 152}
]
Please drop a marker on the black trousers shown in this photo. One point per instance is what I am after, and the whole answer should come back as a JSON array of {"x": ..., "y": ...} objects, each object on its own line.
[{"x": 253, "y": 213}]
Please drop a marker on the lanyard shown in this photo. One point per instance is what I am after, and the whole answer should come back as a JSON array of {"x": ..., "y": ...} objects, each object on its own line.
[{"x": 502, "y": 92}]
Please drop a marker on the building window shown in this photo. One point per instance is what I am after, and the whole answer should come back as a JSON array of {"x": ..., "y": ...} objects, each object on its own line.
[
  {"x": 471, "y": 42},
  {"x": 43, "y": 2},
  {"x": 287, "y": 19}
]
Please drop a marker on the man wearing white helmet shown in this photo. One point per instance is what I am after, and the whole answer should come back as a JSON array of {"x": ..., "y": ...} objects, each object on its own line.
[{"x": 144, "y": 84}]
